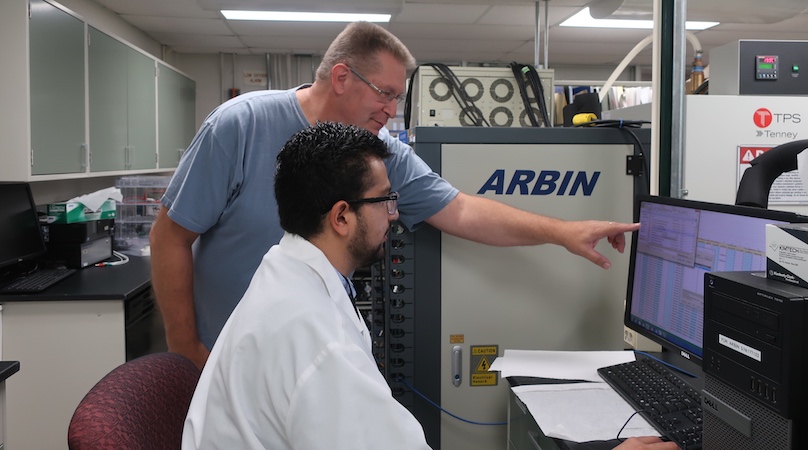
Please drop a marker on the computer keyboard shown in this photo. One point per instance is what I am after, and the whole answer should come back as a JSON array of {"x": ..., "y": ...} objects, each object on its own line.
[
  {"x": 666, "y": 401},
  {"x": 37, "y": 281}
]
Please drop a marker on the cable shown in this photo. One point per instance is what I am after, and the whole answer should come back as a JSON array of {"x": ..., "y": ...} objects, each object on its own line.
[
  {"x": 678, "y": 369},
  {"x": 522, "y": 72},
  {"x": 538, "y": 91},
  {"x": 625, "y": 425},
  {"x": 402, "y": 380},
  {"x": 518, "y": 74},
  {"x": 625, "y": 125},
  {"x": 467, "y": 105},
  {"x": 122, "y": 259}
]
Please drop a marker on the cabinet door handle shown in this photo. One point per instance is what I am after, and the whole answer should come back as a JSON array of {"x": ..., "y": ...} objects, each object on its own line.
[
  {"x": 457, "y": 363},
  {"x": 83, "y": 157}
]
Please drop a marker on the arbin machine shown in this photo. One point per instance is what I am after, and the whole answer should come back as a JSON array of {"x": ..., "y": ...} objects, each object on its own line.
[{"x": 444, "y": 308}]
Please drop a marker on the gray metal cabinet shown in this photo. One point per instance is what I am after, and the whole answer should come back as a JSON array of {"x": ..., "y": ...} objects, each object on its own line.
[
  {"x": 58, "y": 142},
  {"x": 123, "y": 127},
  {"x": 175, "y": 111}
]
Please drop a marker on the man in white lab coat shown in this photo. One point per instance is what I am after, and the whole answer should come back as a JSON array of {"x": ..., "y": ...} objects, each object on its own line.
[{"x": 292, "y": 368}]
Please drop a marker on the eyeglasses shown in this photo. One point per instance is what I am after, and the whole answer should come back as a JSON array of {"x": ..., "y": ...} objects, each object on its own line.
[
  {"x": 391, "y": 201},
  {"x": 388, "y": 96}
]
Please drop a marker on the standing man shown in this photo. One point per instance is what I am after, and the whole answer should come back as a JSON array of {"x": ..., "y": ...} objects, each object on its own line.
[
  {"x": 292, "y": 367},
  {"x": 219, "y": 217}
]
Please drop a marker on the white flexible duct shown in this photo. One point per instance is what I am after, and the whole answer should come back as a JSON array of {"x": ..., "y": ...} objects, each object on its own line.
[{"x": 694, "y": 41}]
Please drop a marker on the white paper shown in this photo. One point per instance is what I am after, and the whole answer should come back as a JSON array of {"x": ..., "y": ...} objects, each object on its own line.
[
  {"x": 575, "y": 365},
  {"x": 94, "y": 200},
  {"x": 582, "y": 412}
]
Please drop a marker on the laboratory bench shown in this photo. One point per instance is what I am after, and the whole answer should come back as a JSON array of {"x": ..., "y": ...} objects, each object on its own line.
[{"x": 66, "y": 339}]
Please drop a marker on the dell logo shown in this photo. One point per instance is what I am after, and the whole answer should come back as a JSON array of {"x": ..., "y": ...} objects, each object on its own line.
[
  {"x": 709, "y": 402},
  {"x": 547, "y": 182}
]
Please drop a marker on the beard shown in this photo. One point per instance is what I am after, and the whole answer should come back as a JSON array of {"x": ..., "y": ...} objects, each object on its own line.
[{"x": 364, "y": 252}]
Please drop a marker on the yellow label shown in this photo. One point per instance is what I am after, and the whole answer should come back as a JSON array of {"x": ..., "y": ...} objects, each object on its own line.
[
  {"x": 484, "y": 350},
  {"x": 484, "y": 379},
  {"x": 457, "y": 338},
  {"x": 483, "y": 365}
]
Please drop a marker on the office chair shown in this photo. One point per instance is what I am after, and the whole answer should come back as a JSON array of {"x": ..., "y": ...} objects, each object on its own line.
[{"x": 140, "y": 404}]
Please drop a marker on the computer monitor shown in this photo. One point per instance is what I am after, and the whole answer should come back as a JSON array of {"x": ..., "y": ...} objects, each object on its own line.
[
  {"x": 20, "y": 235},
  {"x": 679, "y": 240}
]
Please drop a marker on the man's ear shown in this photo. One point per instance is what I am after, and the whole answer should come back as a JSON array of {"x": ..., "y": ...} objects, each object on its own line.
[
  {"x": 341, "y": 217},
  {"x": 339, "y": 76}
]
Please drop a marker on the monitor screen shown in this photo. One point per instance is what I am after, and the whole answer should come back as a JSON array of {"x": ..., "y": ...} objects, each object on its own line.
[
  {"x": 678, "y": 241},
  {"x": 20, "y": 235}
]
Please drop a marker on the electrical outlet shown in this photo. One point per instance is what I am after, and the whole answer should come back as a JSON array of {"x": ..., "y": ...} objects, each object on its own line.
[{"x": 630, "y": 337}]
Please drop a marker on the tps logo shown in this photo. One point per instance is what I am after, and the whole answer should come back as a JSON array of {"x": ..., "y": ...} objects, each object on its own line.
[
  {"x": 545, "y": 183},
  {"x": 764, "y": 117}
]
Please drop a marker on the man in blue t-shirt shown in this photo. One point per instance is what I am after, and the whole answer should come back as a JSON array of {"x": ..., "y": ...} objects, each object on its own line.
[{"x": 220, "y": 218}]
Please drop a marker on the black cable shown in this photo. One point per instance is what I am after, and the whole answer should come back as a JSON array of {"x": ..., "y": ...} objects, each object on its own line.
[
  {"x": 625, "y": 425},
  {"x": 467, "y": 105},
  {"x": 626, "y": 126},
  {"x": 538, "y": 91},
  {"x": 518, "y": 75}
]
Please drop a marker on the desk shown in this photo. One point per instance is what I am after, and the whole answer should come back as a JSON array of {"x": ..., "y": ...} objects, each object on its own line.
[
  {"x": 523, "y": 431},
  {"x": 66, "y": 339},
  {"x": 525, "y": 434}
]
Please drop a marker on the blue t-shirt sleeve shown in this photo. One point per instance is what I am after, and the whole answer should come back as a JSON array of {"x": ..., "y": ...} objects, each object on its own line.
[
  {"x": 208, "y": 176},
  {"x": 422, "y": 192}
]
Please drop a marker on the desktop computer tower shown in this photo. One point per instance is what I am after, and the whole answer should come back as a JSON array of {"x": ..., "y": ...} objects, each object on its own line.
[
  {"x": 449, "y": 306},
  {"x": 755, "y": 341}
]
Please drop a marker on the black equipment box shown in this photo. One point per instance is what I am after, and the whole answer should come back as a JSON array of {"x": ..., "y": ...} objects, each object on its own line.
[
  {"x": 755, "y": 342},
  {"x": 78, "y": 232},
  {"x": 79, "y": 255}
]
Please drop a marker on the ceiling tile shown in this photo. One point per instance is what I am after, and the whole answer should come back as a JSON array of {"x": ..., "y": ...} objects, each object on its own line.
[
  {"x": 439, "y": 13},
  {"x": 179, "y": 25}
]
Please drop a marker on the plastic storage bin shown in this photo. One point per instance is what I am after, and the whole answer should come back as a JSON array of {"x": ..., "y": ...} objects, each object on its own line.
[{"x": 136, "y": 213}]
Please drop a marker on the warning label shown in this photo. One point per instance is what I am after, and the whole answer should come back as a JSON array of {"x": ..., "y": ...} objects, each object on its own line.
[{"x": 481, "y": 358}]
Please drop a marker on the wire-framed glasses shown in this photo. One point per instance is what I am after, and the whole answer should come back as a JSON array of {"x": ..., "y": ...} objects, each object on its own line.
[
  {"x": 387, "y": 96},
  {"x": 390, "y": 201}
]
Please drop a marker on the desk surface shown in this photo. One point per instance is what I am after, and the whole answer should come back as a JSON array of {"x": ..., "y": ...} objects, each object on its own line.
[{"x": 96, "y": 283}]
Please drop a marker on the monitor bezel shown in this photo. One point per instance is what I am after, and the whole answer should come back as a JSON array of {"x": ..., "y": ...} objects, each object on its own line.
[
  {"x": 42, "y": 249},
  {"x": 749, "y": 211}
]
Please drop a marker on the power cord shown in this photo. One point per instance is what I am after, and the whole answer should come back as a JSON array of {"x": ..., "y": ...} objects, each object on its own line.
[
  {"x": 467, "y": 106},
  {"x": 402, "y": 380},
  {"x": 625, "y": 425},
  {"x": 587, "y": 120},
  {"x": 527, "y": 76},
  {"x": 122, "y": 259}
]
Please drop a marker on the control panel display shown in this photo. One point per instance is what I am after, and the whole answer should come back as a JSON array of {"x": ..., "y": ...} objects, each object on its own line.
[{"x": 766, "y": 67}]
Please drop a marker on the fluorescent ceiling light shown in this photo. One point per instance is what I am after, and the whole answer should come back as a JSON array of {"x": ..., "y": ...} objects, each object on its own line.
[
  {"x": 584, "y": 19},
  {"x": 285, "y": 16}
]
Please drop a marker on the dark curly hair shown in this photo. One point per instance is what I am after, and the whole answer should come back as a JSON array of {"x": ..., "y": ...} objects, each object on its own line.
[{"x": 320, "y": 166}]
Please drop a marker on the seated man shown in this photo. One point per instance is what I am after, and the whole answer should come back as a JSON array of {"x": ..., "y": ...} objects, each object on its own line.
[{"x": 293, "y": 367}]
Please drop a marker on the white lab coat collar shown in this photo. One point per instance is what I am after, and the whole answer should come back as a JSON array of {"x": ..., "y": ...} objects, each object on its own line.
[{"x": 298, "y": 248}]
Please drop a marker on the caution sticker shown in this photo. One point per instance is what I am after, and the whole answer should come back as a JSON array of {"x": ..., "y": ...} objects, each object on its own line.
[{"x": 481, "y": 358}]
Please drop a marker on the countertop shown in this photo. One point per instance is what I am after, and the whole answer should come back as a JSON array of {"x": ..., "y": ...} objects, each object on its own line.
[{"x": 96, "y": 283}]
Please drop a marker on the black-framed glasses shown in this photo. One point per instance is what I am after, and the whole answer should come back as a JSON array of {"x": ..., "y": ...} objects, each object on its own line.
[
  {"x": 388, "y": 96},
  {"x": 390, "y": 200}
]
